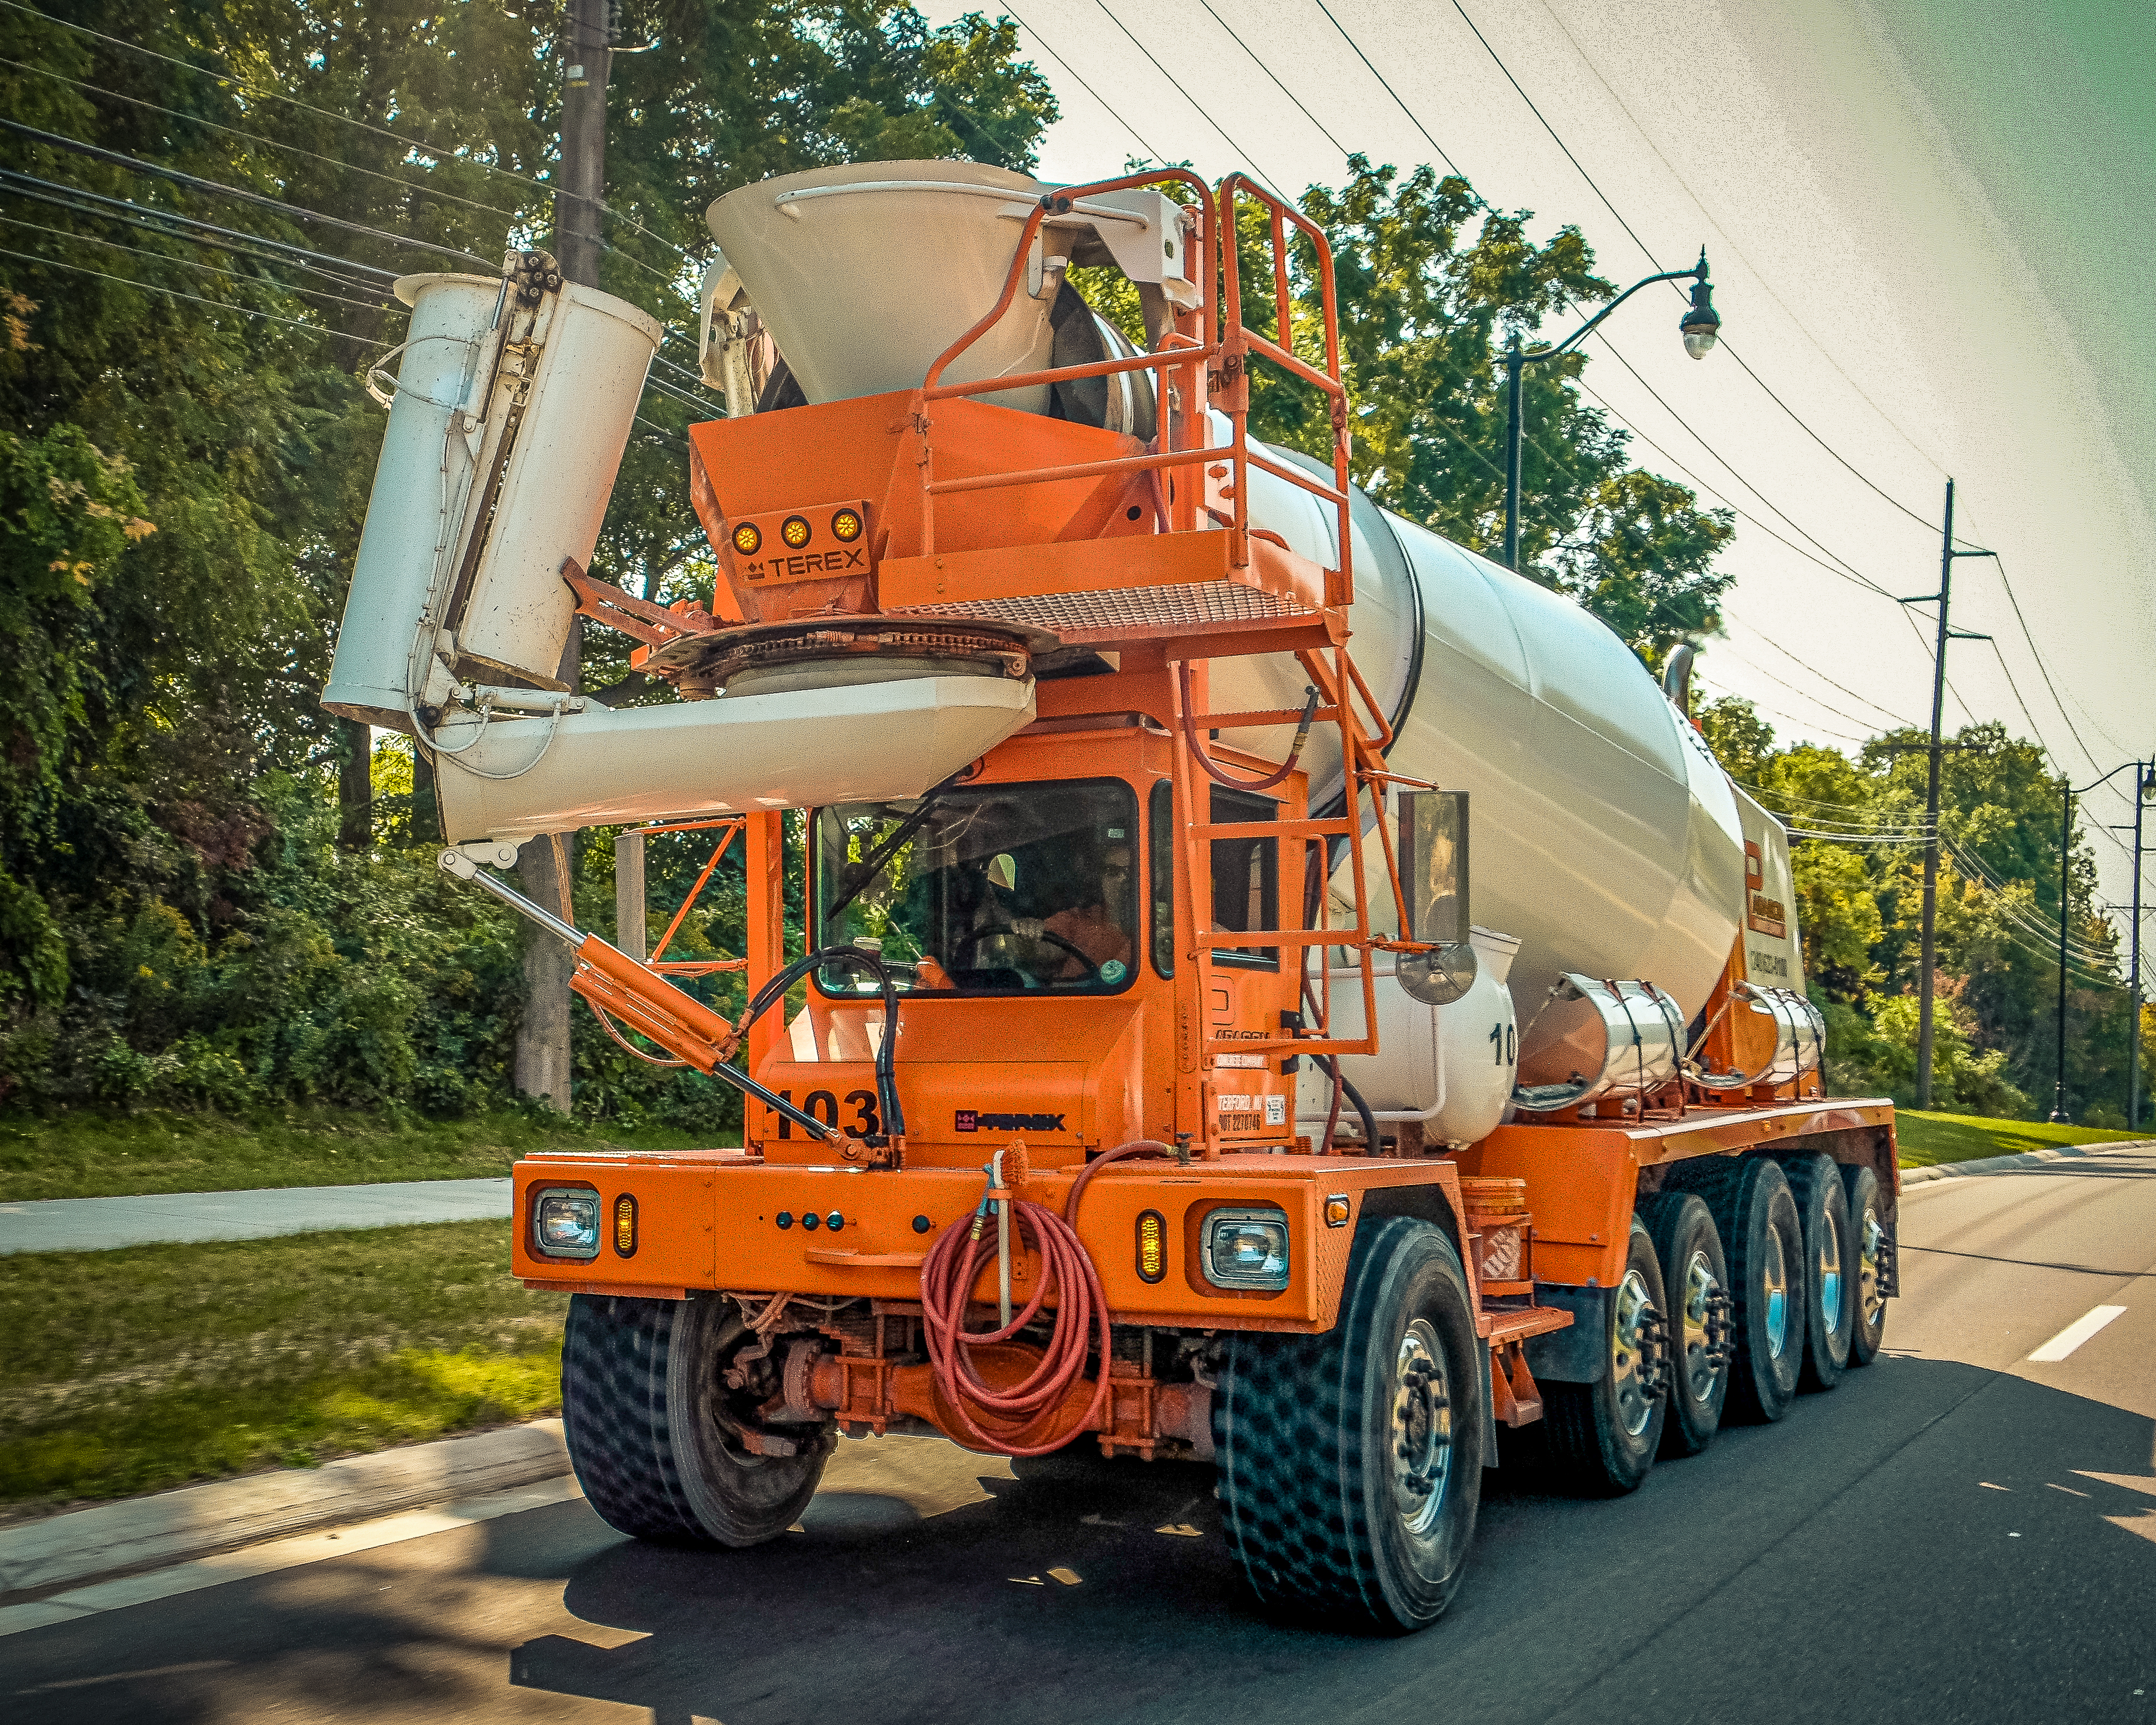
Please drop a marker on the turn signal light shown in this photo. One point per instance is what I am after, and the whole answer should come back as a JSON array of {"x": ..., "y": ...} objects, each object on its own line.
[
  {"x": 1152, "y": 1246},
  {"x": 1337, "y": 1209},
  {"x": 846, "y": 526},
  {"x": 794, "y": 530},
  {"x": 748, "y": 539},
  {"x": 624, "y": 1226}
]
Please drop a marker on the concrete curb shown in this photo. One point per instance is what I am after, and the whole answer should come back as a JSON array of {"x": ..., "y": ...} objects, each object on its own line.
[
  {"x": 2026, "y": 1158},
  {"x": 197, "y": 1521}
]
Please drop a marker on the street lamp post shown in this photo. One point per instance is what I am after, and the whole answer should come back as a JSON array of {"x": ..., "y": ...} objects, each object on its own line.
[{"x": 1700, "y": 326}]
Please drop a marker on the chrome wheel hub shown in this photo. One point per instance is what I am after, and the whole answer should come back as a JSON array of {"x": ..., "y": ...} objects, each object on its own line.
[
  {"x": 1422, "y": 1428},
  {"x": 1637, "y": 1370},
  {"x": 1774, "y": 1284},
  {"x": 1830, "y": 1274},
  {"x": 1705, "y": 1322},
  {"x": 1871, "y": 1248}
]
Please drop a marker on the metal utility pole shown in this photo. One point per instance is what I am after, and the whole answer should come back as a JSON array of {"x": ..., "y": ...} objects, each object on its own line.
[
  {"x": 1937, "y": 752},
  {"x": 2065, "y": 845},
  {"x": 548, "y": 864},
  {"x": 2144, "y": 778}
]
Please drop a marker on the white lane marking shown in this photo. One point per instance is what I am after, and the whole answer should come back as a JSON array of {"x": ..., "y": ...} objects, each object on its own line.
[
  {"x": 280, "y": 1554},
  {"x": 2076, "y": 1333}
]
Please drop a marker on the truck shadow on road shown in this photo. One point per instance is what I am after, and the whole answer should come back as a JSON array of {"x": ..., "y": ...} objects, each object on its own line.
[{"x": 1927, "y": 1530}]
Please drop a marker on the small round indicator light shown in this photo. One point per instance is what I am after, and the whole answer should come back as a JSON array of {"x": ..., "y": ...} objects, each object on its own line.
[
  {"x": 922, "y": 1224},
  {"x": 784, "y": 1219},
  {"x": 846, "y": 526},
  {"x": 834, "y": 1221},
  {"x": 811, "y": 1221},
  {"x": 794, "y": 530},
  {"x": 748, "y": 539}
]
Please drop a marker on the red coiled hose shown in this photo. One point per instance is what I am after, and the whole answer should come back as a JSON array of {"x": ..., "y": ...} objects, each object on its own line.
[{"x": 1021, "y": 1420}]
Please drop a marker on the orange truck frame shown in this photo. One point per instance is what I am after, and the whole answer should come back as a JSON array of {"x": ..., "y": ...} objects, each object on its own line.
[{"x": 1087, "y": 1218}]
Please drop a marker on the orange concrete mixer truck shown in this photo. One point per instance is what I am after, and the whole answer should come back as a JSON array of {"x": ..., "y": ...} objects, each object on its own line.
[{"x": 1272, "y": 988}]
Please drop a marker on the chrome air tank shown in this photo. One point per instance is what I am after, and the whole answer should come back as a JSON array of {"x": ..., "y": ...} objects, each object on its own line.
[{"x": 1605, "y": 835}]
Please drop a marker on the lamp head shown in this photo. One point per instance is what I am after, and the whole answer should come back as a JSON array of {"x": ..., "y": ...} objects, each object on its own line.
[{"x": 1701, "y": 325}]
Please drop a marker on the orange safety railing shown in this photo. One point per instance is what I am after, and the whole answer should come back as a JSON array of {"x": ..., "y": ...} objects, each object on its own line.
[
  {"x": 1179, "y": 358},
  {"x": 728, "y": 827},
  {"x": 1238, "y": 341}
]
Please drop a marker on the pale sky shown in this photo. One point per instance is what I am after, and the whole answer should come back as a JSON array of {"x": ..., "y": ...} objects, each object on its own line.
[{"x": 1917, "y": 216}]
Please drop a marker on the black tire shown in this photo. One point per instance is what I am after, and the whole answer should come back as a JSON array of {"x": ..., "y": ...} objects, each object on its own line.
[
  {"x": 1603, "y": 1435},
  {"x": 1696, "y": 1280},
  {"x": 1874, "y": 1247},
  {"x": 1829, "y": 1269},
  {"x": 653, "y": 1437},
  {"x": 1350, "y": 1464},
  {"x": 1765, "y": 1244}
]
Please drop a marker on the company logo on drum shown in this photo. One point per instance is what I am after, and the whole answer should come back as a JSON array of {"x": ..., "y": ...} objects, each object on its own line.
[{"x": 971, "y": 1120}]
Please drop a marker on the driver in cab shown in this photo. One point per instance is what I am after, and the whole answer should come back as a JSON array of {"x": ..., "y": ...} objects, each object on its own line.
[{"x": 1084, "y": 935}]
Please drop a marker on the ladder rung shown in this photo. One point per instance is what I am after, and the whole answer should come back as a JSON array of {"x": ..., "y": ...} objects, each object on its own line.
[
  {"x": 1261, "y": 716},
  {"x": 1231, "y": 938},
  {"x": 1270, "y": 829},
  {"x": 1308, "y": 1046}
]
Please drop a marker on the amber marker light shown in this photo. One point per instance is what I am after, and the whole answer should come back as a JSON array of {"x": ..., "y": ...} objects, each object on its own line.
[
  {"x": 624, "y": 1226},
  {"x": 748, "y": 539},
  {"x": 1152, "y": 1246},
  {"x": 1336, "y": 1210},
  {"x": 846, "y": 526},
  {"x": 794, "y": 530}
]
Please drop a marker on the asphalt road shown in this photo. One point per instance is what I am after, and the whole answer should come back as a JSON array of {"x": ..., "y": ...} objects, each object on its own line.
[{"x": 1957, "y": 1533}]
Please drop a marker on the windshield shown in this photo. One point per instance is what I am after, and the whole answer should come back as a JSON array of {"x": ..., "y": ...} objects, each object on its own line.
[{"x": 988, "y": 888}]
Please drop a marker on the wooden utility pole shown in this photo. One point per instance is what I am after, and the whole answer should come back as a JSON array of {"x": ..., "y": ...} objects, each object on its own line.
[
  {"x": 1936, "y": 751},
  {"x": 548, "y": 864}
]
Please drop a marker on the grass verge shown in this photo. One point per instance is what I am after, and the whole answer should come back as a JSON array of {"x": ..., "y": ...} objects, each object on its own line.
[
  {"x": 85, "y": 1154},
  {"x": 1924, "y": 1140},
  {"x": 151, "y": 1365}
]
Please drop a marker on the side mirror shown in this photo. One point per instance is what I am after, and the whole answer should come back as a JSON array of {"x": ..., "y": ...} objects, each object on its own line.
[{"x": 1433, "y": 857}]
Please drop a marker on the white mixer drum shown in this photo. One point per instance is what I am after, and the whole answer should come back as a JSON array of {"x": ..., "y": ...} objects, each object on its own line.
[{"x": 1605, "y": 833}]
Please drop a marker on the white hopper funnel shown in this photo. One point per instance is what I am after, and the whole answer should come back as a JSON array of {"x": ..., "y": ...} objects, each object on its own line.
[{"x": 863, "y": 274}]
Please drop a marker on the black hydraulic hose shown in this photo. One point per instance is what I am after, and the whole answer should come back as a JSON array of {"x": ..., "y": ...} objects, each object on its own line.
[
  {"x": 774, "y": 991},
  {"x": 1361, "y": 1108}
]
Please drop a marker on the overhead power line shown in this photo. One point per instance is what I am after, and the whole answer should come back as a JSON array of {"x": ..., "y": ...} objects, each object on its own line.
[
  {"x": 319, "y": 329},
  {"x": 1907, "y": 724},
  {"x": 234, "y": 79},
  {"x": 208, "y": 269},
  {"x": 1648, "y": 253},
  {"x": 215, "y": 189},
  {"x": 157, "y": 220},
  {"x": 1152, "y": 154},
  {"x": 1186, "y": 96},
  {"x": 1758, "y": 274},
  {"x": 254, "y": 138}
]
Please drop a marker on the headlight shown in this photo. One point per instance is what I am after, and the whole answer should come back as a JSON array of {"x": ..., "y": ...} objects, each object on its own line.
[
  {"x": 1247, "y": 1249},
  {"x": 565, "y": 1224}
]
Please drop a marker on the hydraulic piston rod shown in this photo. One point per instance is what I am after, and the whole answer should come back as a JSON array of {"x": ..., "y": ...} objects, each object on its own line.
[{"x": 619, "y": 987}]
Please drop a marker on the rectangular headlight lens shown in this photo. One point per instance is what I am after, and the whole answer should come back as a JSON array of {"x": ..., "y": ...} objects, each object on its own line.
[
  {"x": 565, "y": 1224},
  {"x": 1247, "y": 1249}
]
